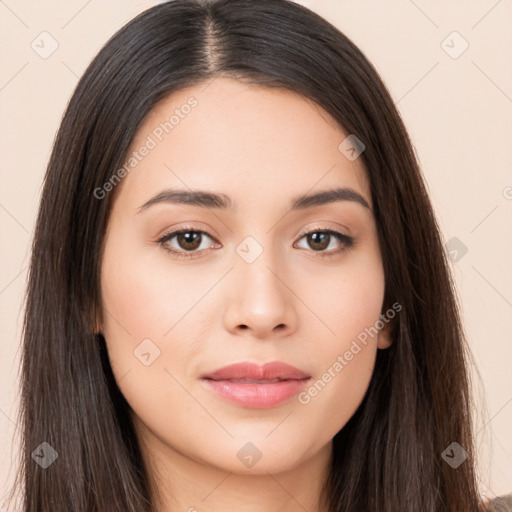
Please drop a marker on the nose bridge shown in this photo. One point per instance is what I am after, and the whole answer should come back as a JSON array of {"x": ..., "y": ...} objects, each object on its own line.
[
  {"x": 259, "y": 284},
  {"x": 260, "y": 301}
]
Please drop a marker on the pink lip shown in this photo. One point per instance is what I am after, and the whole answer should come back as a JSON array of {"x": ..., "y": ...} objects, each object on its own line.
[{"x": 257, "y": 395}]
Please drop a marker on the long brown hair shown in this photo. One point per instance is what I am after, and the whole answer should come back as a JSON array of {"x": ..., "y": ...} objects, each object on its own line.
[{"x": 388, "y": 457}]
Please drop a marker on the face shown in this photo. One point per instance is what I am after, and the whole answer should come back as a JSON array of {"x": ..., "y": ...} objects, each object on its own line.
[{"x": 245, "y": 273}]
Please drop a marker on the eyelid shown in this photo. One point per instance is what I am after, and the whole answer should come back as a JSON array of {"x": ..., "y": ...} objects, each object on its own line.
[
  {"x": 167, "y": 235},
  {"x": 186, "y": 227},
  {"x": 324, "y": 227}
]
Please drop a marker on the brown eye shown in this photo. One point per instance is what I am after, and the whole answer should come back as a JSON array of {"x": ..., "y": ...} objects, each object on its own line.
[
  {"x": 189, "y": 240},
  {"x": 186, "y": 242},
  {"x": 327, "y": 242},
  {"x": 319, "y": 241}
]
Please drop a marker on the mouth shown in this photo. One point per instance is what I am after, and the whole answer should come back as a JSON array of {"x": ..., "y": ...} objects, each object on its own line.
[
  {"x": 251, "y": 381},
  {"x": 256, "y": 387}
]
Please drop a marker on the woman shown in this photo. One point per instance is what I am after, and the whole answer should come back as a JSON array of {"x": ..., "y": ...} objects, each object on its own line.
[{"x": 238, "y": 294}]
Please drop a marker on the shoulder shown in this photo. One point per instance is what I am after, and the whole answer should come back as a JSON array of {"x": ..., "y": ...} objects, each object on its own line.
[{"x": 501, "y": 504}]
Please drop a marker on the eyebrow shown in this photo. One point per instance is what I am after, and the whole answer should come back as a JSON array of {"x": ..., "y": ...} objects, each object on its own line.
[{"x": 223, "y": 202}]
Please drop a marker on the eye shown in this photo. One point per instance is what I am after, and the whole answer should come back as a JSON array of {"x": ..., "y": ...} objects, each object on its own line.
[
  {"x": 186, "y": 242},
  {"x": 189, "y": 242},
  {"x": 327, "y": 242}
]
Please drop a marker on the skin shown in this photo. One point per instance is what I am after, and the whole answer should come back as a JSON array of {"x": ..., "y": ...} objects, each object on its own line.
[{"x": 262, "y": 147}]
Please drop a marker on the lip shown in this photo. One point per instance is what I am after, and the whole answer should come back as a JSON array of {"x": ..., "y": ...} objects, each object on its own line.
[{"x": 258, "y": 387}]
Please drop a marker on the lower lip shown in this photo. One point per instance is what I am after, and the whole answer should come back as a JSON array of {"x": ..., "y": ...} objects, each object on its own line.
[{"x": 256, "y": 396}]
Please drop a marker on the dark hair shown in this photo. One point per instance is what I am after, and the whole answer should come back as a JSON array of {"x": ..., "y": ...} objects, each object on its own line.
[{"x": 387, "y": 458}]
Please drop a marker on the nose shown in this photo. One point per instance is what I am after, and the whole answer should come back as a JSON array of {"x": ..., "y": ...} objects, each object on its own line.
[{"x": 260, "y": 302}]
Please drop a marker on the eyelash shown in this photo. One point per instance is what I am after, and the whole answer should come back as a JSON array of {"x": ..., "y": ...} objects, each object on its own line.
[{"x": 347, "y": 241}]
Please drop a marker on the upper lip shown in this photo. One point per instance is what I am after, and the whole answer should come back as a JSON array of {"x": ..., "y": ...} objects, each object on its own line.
[{"x": 247, "y": 370}]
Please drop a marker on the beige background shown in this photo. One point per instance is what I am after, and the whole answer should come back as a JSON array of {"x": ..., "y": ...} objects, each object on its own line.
[{"x": 458, "y": 112}]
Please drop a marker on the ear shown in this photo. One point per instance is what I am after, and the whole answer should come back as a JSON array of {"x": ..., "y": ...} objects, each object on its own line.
[{"x": 385, "y": 336}]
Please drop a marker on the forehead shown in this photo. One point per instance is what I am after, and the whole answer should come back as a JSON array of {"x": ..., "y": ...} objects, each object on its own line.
[{"x": 243, "y": 140}]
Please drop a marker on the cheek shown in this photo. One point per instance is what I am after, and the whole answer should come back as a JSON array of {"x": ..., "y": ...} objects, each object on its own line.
[
  {"x": 349, "y": 309},
  {"x": 347, "y": 299},
  {"x": 151, "y": 313},
  {"x": 146, "y": 295},
  {"x": 148, "y": 321}
]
